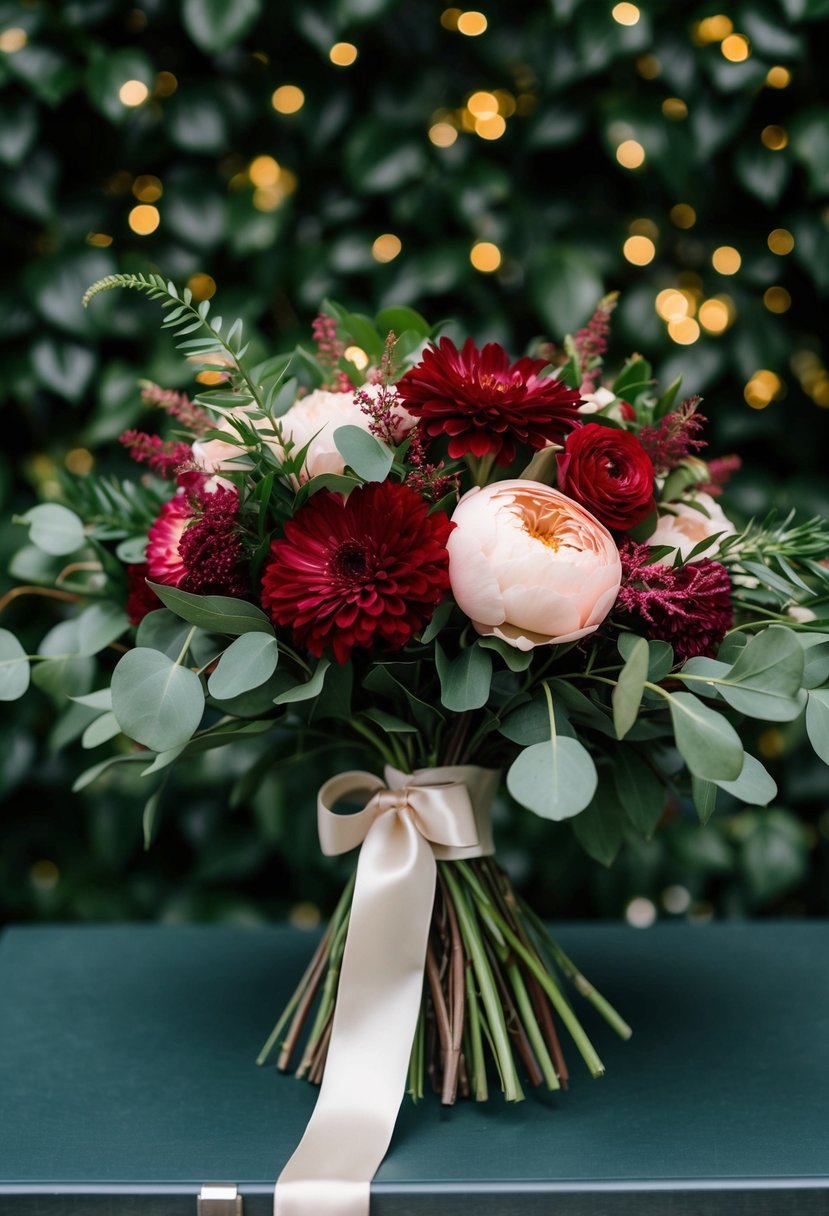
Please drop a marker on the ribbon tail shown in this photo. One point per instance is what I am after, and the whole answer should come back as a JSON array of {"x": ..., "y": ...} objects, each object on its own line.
[{"x": 375, "y": 1018}]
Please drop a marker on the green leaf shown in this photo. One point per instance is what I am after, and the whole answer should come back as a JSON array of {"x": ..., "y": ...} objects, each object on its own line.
[
  {"x": 761, "y": 172},
  {"x": 630, "y": 687},
  {"x": 565, "y": 287},
  {"x": 754, "y": 786},
  {"x": 249, "y": 661},
  {"x": 92, "y": 774},
  {"x": 215, "y": 25},
  {"x": 599, "y": 828},
  {"x": 399, "y": 319},
  {"x": 104, "y": 728},
  {"x": 816, "y": 658},
  {"x": 157, "y": 702},
  {"x": 556, "y": 779},
  {"x": 53, "y": 528},
  {"x": 439, "y": 618},
  {"x": 817, "y": 721},
  {"x": 162, "y": 630},
  {"x": 765, "y": 680},
  {"x": 149, "y": 817},
  {"x": 809, "y": 142},
  {"x": 108, "y": 71},
  {"x": 389, "y": 723},
  {"x": 14, "y": 667},
  {"x": 774, "y": 855},
  {"x": 704, "y": 794},
  {"x": 465, "y": 680},
  {"x": 635, "y": 373},
  {"x": 707, "y": 741},
  {"x": 216, "y": 613},
  {"x": 530, "y": 722},
  {"x": 307, "y": 691},
  {"x": 515, "y": 659},
  {"x": 640, "y": 790},
  {"x": 369, "y": 458},
  {"x": 98, "y": 626}
]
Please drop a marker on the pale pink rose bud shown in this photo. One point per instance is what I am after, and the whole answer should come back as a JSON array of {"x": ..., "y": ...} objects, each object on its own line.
[
  {"x": 530, "y": 566},
  {"x": 313, "y": 420},
  {"x": 682, "y": 526}
]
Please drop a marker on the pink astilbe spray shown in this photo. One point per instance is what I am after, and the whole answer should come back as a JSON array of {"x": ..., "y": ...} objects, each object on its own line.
[
  {"x": 689, "y": 606},
  {"x": 330, "y": 350},
  {"x": 178, "y": 405},
  {"x": 720, "y": 471},
  {"x": 675, "y": 436},
  {"x": 382, "y": 408},
  {"x": 429, "y": 480},
  {"x": 164, "y": 456},
  {"x": 591, "y": 342}
]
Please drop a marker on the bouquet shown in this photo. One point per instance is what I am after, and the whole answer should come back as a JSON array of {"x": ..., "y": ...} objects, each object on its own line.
[{"x": 481, "y": 572}]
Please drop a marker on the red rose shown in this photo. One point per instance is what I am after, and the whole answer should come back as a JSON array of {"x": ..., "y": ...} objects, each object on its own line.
[{"x": 608, "y": 472}]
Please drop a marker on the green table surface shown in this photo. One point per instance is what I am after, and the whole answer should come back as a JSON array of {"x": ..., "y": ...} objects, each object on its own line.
[{"x": 127, "y": 1080}]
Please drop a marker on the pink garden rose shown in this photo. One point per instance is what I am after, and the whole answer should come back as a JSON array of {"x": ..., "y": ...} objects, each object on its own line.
[
  {"x": 530, "y": 566},
  {"x": 682, "y": 526}
]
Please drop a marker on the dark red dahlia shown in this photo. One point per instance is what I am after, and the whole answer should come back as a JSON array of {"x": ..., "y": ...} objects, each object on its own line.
[
  {"x": 689, "y": 606},
  {"x": 141, "y": 599},
  {"x": 358, "y": 571},
  {"x": 485, "y": 404}
]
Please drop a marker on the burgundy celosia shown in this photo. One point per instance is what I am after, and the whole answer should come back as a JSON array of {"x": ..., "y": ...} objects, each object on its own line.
[
  {"x": 608, "y": 472},
  {"x": 194, "y": 544},
  {"x": 689, "y": 606},
  {"x": 484, "y": 404},
  {"x": 674, "y": 437},
  {"x": 591, "y": 342},
  {"x": 164, "y": 456},
  {"x": 364, "y": 570}
]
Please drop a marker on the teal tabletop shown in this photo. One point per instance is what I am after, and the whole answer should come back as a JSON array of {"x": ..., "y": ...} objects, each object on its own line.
[{"x": 128, "y": 1080}]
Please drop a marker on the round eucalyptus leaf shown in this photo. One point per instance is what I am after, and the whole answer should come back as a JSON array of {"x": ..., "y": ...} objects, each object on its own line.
[
  {"x": 54, "y": 529},
  {"x": 156, "y": 701},
  {"x": 14, "y": 667},
  {"x": 556, "y": 779},
  {"x": 249, "y": 661}
]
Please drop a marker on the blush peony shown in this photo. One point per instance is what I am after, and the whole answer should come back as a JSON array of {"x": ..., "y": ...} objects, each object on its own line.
[
  {"x": 312, "y": 420},
  {"x": 683, "y": 526},
  {"x": 609, "y": 472},
  {"x": 530, "y": 566}
]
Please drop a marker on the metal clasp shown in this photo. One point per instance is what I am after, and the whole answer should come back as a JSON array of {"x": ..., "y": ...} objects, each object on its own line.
[{"x": 219, "y": 1200}]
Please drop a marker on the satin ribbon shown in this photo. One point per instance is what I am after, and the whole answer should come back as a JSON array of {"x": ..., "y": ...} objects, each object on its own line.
[{"x": 407, "y": 823}]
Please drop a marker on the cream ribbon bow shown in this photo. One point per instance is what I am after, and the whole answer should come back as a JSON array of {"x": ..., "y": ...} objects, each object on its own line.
[{"x": 407, "y": 823}]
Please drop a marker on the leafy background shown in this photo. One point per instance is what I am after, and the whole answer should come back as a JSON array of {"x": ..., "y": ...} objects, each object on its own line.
[{"x": 375, "y": 181}]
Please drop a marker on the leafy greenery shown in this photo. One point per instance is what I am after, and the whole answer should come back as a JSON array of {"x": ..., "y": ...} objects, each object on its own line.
[{"x": 351, "y": 164}]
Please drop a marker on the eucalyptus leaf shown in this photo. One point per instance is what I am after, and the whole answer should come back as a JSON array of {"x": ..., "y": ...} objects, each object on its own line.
[
  {"x": 369, "y": 458},
  {"x": 104, "y": 728},
  {"x": 599, "y": 828},
  {"x": 465, "y": 680},
  {"x": 216, "y": 613},
  {"x": 639, "y": 788},
  {"x": 704, "y": 795},
  {"x": 157, "y": 702},
  {"x": 249, "y": 661},
  {"x": 765, "y": 680},
  {"x": 307, "y": 691},
  {"x": 556, "y": 779},
  {"x": 630, "y": 687},
  {"x": 707, "y": 741},
  {"x": 14, "y": 667},
  {"x": 54, "y": 528},
  {"x": 817, "y": 721},
  {"x": 216, "y": 25},
  {"x": 755, "y": 786}
]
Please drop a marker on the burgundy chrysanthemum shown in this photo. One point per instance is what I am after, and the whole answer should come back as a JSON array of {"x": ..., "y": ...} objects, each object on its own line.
[
  {"x": 485, "y": 404},
  {"x": 358, "y": 571},
  {"x": 194, "y": 544},
  {"x": 689, "y": 606}
]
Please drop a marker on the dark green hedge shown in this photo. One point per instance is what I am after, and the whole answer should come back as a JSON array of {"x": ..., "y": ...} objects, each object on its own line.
[{"x": 280, "y": 209}]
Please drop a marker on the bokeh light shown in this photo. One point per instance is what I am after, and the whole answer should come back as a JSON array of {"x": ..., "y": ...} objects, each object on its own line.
[
  {"x": 630, "y": 154},
  {"x": 144, "y": 219},
  {"x": 287, "y": 99},
  {"x": 639, "y": 250},
  {"x": 762, "y": 388},
  {"x": 777, "y": 299},
  {"x": 780, "y": 241},
  {"x": 343, "y": 54},
  {"x": 735, "y": 48},
  {"x": 133, "y": 93},
  {"x": 726, "y": 260},
  {"x": 472, "y": 23},
  {"x": 386, "y": 247},
  {"x": 485, "y": 256},
  {"x": 683, "y": 215},
  {"x": 625, "y": 14}
]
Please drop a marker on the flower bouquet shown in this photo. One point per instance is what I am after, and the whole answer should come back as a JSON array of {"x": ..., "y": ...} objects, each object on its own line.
[{"x": 474, "y": 569}]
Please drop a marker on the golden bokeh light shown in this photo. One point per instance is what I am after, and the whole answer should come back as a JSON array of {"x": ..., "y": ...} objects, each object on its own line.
[
  {"x": 13, "y": 39},
  {"x": 483, "y": 105},
  {"x": 357, "y": 356},
  {"x": 449, "y": 18},
  {"x": 735, "y": 48},
  {"x": 683, "y": 215},
  {"x": 774, "y": 137},
  {"x": 683, "y": 330},
  {"x": 780, "y": 241},
  {"x": 287, "y": 99},
  {"x": 44, "y": 874},
  {"x": 713, "y": 29},
  {"x": 630, "y": 154},
  {"x": 147, "y": 189},
  {"x": 777, "y": 299},
  {"x": 442, "y": 134},
  {"x": 715, "y": 315},
  {"x": 343, "y": 54},
  {"x": 79, "y": 461},
  {"x": 643, "y": 227},
  {"x": 203, "y": 286},
  {"x": 639, "y": 250},
  {"x": 675, "y": 108},
  {"x": 490, "y": 128},
  {"x": 762, "y": 388},
  {"x": 144, "y": 219},
  {"x": 386, "y": 247},
  {"x": 472, "y": 23},
  {"x": 625, "y": 14},
  {"x": 671, "y": 305},
  {"x": 133, "y": 93},
  {"x": 165, "y": 84},
  {"x": 101, "y": 240},
  {"x": 778, "y": 77},
  {"x": 648, "y": 67},
  {"x": 485, "y": 256},
  {"x": 211, "y": 377},
  {"x": 507, "y": 104},
  {"x": 726, "y": 260},
  {"x": 264, "y": 172},
  {"x": 820, "y": 392}
]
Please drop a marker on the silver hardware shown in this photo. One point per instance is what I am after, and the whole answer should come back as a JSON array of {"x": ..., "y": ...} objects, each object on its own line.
[{"x": 219, "y": 1200}]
